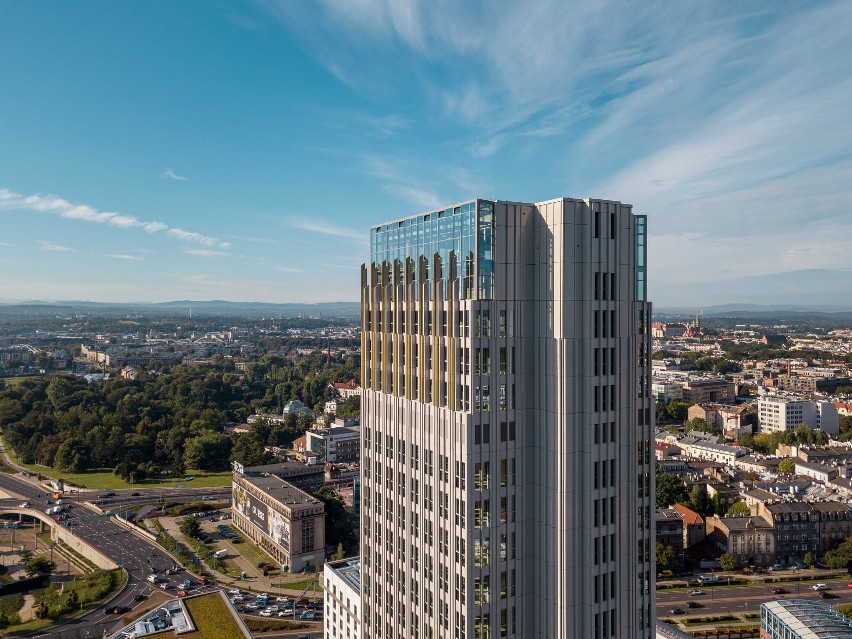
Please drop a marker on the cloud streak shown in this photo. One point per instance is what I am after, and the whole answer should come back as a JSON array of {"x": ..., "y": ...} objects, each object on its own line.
[
  {"x": 174, "y": 176},
  {"x": 53, "y": 205}
]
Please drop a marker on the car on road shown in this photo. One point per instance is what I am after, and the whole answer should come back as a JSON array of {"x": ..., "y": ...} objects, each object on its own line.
[
  {"x": 207, "y": 498},
  {"x": 181, "y": 593},
  {"x": 308, "y": 615},
  {"x": 282, "y": 599},
  {"x": 819, "y": 587},
  {"x": 665, "y": 574},
  {"x": 779, "y": 591},
  {"x": 252, "y": 606},
  {"x": 827, "y": 595},
  {"x": 118, "y": 610},
  {"x": 694, "y": 604},
  {"x": 135, "y": 494},
  {"x": 235, "y": 591},
  {"x": 266, "y": 613},
  {"x": 140, "y": 597},
  {"x": 316, "y": 605},
  {"x": 290, "y": 605},
  {"x": 677, "y": 611},
  {"x": 203, "y": 581},
  {"x": 302, "y": 601},
  {"x": 696, "y": 593},
  {"x": 25, "y": 504}
]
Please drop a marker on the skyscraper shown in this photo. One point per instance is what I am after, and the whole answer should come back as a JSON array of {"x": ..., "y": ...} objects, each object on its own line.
[{"x": 507, "y": 477}]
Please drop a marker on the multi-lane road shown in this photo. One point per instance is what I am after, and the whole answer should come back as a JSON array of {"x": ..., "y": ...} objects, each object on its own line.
[
  {"x": 722, "y": 600},
  {"x": 138, "y": 556}
]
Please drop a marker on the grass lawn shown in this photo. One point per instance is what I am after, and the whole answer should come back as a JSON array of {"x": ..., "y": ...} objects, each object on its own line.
[
  {"x": 301, "y": 584},
  {"x": 251, "y": 552},
  {"x": 267, "y": 625},
  {"x": 17, "y": 381},
  {"x": 212, "y": 619},
  {"x": 103, "y": 479}
]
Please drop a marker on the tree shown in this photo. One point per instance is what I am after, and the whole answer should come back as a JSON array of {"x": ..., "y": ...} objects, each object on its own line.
[
  {"x": 808, "y": 559},
  {"x": 670, "y": 490},
  {"x": 749, "y": 475},
  {"x": 248, "y": 450},
  {"x": 208, "y": 451},
  {"x": 698, "y": 500},
  {"x": 727, "y": 561},
  {"x": 677, "y": 410},
  {"x": 665, "y": 554},
  {"x": 38, "y": 564},
  {"x": 190, "y": 526},
  {"x": 787, "y": 467},
  {"x": 340, "y": 553},
  {"x": 846, "y": 428},
  {"x": 738, "y": 508},
  {"x": 697, "y": 423},
  {"x": 340, "y": 524},
  {"x": 350, "y": 408}
]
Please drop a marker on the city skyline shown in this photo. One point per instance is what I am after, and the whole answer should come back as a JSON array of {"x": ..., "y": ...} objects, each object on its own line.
[{"x": 241, "y": 152}]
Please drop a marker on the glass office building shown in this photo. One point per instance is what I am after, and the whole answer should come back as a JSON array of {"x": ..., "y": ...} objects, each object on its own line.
[
  {"x": 802, "y": 619},
  {"x": 507, "y": 424}
]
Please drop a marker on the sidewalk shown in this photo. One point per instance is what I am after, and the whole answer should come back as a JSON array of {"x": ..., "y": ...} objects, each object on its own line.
[{"x": 255, "y": 581}]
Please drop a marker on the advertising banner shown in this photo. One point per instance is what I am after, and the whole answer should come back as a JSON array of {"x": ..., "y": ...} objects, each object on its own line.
[{"x": 251, "y": 508}]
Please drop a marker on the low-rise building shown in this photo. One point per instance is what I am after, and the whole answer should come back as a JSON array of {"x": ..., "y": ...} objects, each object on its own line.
[
  {"x": 750, "y": 540},
  {"x": 710, "y": 451},
  {"x": 336, "y": 444},
  {"x": 670, "y": 533},
  {"x": 307, "y": 477},
  {"x": 802, "y": 619},
  {"x": 796, "y": 527},
  {"x": 286, "y": 522},
  {"x": 342, "y": 594},
  {"x": 693, "y": 526},
  {"x": 708, "y": 389},
  {"x": 348, "y": 389}
]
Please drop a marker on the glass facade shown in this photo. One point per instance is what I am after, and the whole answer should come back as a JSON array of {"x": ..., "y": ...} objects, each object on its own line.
[
  {"x": 641, "y": 256},
  {"x": 466, "y": 230}
]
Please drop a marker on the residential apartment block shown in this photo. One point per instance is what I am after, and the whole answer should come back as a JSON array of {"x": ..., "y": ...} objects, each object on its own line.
[
  {"x": 776, "y": 413},
  {"x": 508, "y": 476}
]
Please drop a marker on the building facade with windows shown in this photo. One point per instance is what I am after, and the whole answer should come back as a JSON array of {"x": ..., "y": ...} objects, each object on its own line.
[
  {"x": 507, "y": 424},
  {"x": 342, "y": 598},
  {"x": 286, "y": 522}
]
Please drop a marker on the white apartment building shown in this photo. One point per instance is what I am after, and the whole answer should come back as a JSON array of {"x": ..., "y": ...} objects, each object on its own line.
[
  {"x": 712, "y": 451},
  {"x": 776, "y": 413},
  {"x": 507, "y": 424},
  {"x": 342, "y": 598}
]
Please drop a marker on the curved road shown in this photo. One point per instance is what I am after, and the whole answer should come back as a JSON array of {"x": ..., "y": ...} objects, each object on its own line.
[{"x": 137, "y": 555}]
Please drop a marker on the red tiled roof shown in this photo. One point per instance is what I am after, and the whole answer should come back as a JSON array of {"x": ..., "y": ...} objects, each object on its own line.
[{"x": 690, "y": 517}]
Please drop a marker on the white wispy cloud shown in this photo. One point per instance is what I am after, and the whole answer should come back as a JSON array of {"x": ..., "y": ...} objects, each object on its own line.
[
  {"x": 204, "y": 252},
  {"x": 56, "y": 248},
  {"x": 287, "y": 269},
  {"x": 57, "y": 206},
  {"x": 327, "y": 228},
  {"x": 174, "y": 176},
  {"x": 120, "y": 256}
]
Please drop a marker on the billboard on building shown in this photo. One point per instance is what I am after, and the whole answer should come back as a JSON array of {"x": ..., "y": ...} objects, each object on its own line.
[{"x": 251, "y": 508}]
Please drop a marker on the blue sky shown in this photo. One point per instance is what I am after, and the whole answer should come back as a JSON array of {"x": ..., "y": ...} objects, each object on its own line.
[{"x": 240, "y": 151}]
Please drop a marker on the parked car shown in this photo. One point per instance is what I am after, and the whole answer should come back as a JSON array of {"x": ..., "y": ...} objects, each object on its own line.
[
  {"x": 181, "y": 593},
  {"x": 302, "y": 601},
  {"x": 235, "y": 591},
  {"x": 266, "y": 613},
  {"x": 282, "y": 599},
  {"x": 665, "y": 574},
  {"x": 140, "y": 597},
  {"x": 25, "y": 504},
  {"x": 783, "y": 591}
]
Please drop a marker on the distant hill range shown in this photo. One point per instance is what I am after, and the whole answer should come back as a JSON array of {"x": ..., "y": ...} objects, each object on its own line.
[
  {"x": 181, "y": 307},
  {"x": 757, "y": 311}
]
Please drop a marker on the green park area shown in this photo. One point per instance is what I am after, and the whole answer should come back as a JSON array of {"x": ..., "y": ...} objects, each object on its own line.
[{"x": 102, "y": 479}]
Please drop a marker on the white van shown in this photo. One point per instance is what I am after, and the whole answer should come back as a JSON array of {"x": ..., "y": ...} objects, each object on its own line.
[
  {"x": 152, "y": 578},
  {"x": 220, "y": 553}
]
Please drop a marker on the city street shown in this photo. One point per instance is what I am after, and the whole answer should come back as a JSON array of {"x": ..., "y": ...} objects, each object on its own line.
[{"x": 719, "y": 600}]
